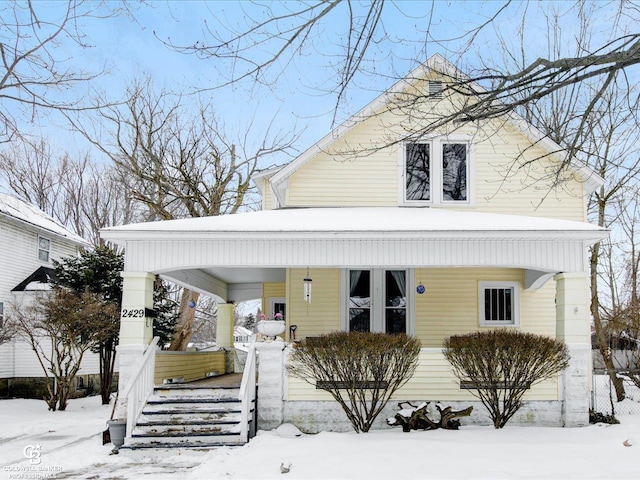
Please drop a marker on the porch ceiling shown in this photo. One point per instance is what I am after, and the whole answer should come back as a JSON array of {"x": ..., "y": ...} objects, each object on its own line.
[{"x": 241, "y": 248}]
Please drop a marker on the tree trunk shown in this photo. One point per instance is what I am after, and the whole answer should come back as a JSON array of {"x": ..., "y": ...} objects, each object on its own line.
[
  {"x": 603, "y": 344},
  {"x": 107, "y": 365},
  {"x": 184, "y": 326}
]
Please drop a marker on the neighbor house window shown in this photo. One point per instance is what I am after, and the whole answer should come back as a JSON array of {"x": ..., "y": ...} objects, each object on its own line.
[
  {"x": 44, "y": 249},
  {"x": 499, "y": 303},
  {"x": 436, "y": 172},
  {"x": 377, "y": 301},
  {"x": 1, "y": 315}
]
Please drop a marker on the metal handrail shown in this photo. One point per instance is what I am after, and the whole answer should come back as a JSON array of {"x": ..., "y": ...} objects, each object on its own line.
[
  {"x": 247, "y": 393},
  {"x": 140, "y": 386}
]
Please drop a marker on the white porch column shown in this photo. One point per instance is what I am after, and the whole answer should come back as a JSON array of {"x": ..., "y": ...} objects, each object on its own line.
[
  {"x": 224, "y": 325},
  {"x": 270, "y": 384},
  {"x": 136, "y": 330},
  {"x": 572, "y": 326}
]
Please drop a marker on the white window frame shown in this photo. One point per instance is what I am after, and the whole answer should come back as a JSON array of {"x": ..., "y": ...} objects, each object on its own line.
[
  {"x": 436, "y": 171},
  {"x": 377, "y": 298},
  {"x": 272, "y": 305},
  {"x": 515, "y": 304},
  {"x": 48, "y": 250}
]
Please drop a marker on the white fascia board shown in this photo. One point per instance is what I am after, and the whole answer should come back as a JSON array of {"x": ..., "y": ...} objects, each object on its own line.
[
  {"x": 258, "y": 177},
  {"x": 589, "y": 236}
]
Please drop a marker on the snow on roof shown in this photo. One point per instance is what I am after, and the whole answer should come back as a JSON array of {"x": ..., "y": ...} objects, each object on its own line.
[
  {"x": 358, "y": 219},
  {"x": 26, "y": 213}
]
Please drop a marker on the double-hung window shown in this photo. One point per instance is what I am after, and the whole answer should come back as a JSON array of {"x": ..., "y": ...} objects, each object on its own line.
[
  {"x": 437, "y": 172},
  {"x": 377, "y": 301},
  {"x": 498, "y": 303},
  {"x": 44, "y": 249}
]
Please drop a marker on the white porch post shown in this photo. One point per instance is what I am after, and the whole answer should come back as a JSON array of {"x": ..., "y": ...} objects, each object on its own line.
[
  {"x": 572, "y": 326},
  {"x": 224, "y": 325},
  {"x": 135, "y": 331},
  {"x": 270, "y": 384},
  {"x": 224, "y": 334}
]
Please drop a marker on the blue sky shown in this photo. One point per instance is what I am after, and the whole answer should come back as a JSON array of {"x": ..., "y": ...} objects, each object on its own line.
[{"x": 131, "y": 49}]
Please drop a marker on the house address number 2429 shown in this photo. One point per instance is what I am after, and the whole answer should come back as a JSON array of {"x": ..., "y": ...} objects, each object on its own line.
[{"x": 132, "y": 313}]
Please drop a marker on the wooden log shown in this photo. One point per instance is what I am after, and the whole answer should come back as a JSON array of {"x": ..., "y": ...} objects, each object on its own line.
[{"x": 414, "y": 417}]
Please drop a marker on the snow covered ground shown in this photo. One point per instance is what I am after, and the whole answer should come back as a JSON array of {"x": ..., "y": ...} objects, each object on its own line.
[{"x": 69, "y": 445}]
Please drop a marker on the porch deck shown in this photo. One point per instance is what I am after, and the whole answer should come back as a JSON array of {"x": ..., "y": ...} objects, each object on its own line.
[{"x": 229, "y": 380}]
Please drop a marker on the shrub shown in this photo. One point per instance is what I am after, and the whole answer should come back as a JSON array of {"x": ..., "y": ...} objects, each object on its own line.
[
  {"x": 499, "y": 366},
  {"x": 360, "y": 370}
]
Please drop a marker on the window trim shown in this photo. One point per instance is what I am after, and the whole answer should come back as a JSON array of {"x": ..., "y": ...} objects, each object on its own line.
[
  {"x": 41, "y": 237},
  {"x": 377, "y": 280},
  {"x": 436, "y": 171},
  {"x": 515, "y": 304}
]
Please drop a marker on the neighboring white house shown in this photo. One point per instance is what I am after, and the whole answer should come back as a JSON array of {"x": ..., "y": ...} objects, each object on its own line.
[
  {"x": 433, "y": 236},
  {"x": 29, "y": 241}
]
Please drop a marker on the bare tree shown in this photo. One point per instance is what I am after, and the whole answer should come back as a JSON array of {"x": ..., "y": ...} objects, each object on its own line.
[
  {"x": 621, "y": 319},
  {"x": 37, "y": 74},
  {"x": 606, "y": 139},
  {"x": 61, "y": 327},
  {"x": 7, "y": 329},
  {"x": 180, "y": 164},
  {"x": 273, "y": 38},
  {"x": 77, "y": 192}
]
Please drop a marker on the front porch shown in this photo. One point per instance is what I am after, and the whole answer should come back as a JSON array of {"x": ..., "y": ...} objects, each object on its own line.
[{"x": 450, "y": 253}]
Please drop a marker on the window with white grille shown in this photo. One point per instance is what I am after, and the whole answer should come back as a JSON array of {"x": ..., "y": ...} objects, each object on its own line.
[{"x": 498, "y": 303}]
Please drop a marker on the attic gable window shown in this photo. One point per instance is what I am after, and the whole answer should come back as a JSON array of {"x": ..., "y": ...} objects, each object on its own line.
[
  {"x": 436, "y": 172},
  {"x": 44, "y": 249},
  {"x": 435, "y": 90}
]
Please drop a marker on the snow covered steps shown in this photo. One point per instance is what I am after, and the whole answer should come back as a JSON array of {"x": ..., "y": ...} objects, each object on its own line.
[{"x": 179, "y": 416}]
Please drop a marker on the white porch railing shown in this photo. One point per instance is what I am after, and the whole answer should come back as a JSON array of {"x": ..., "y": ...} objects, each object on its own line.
[
  {"x": 247, "y": 394},
  {"x": 140, "y": 386}
]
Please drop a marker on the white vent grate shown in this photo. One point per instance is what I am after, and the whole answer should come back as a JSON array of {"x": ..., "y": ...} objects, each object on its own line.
[{"x": 435, "y": 89}]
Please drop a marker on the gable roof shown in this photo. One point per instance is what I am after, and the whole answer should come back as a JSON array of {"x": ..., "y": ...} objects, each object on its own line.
[
  {"x": 438, "y": 64},
  {"x": 28, "y": 214},
  {"x": 38, "y": 280}
]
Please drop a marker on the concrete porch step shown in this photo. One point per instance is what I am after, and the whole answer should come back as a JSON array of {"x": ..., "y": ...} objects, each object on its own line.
[
  {"x": 223, "y": 393},
  {"x": 186, "y": 441},
  {"x": 189, "y": 419},
  {"x": 182, "y": 416},
  {"x": 191, "y": 408},
  {"x": 185, "y": 430},
  {"x": 191, "y": 444}
]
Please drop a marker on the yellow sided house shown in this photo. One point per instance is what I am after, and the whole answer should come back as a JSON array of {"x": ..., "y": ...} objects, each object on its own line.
[{"x": 464, "y": 229}]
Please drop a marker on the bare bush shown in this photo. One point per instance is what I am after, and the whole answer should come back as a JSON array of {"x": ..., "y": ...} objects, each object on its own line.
[
  {"x": 499, "y": 366},
  {"x": 361, "y": 370},
  {"x": 60, "y": 328}
]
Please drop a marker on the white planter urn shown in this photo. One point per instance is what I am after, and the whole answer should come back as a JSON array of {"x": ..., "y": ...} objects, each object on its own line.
[{"x": 271, "y": 328}]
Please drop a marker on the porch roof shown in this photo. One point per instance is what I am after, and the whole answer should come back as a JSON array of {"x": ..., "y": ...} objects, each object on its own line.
[
  {"x": 364, "y": 222},
  {"x": 231, "y": 256}
]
